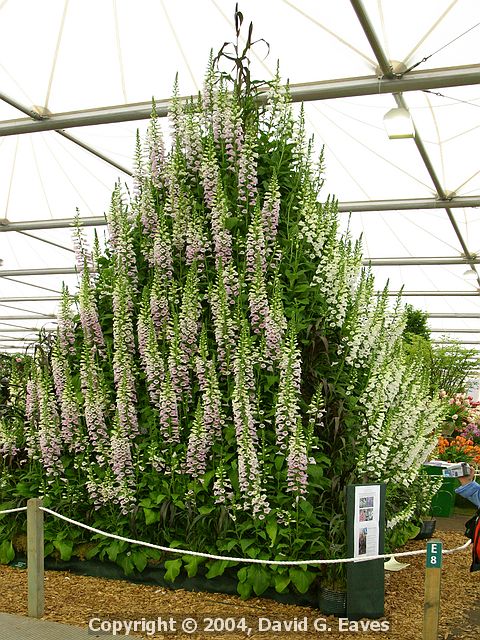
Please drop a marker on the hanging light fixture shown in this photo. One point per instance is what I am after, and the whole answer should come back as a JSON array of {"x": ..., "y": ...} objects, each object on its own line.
[
  {"x": 470, "y": 274},
  {"x": 399, "y": 124}
]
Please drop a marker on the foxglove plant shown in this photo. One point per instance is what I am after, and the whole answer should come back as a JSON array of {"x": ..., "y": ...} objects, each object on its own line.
[{"x": 234, "y": 359}]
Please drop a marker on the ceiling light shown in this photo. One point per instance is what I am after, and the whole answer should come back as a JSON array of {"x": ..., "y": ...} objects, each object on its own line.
[
  {"x": 470, "y": 274},
  {"x": 399, "y": 124}
]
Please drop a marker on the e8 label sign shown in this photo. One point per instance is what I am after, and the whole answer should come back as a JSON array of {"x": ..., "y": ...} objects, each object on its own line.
[{"x": 434, "y": 555}]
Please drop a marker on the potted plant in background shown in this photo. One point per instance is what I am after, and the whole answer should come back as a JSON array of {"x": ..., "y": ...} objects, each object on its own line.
[
  {"x": 457, "y": 449},
  {"x": 457, "y": 412}
]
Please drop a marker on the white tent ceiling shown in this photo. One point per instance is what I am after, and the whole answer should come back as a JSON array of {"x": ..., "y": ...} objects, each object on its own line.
[{"x": 72, "y": 55}]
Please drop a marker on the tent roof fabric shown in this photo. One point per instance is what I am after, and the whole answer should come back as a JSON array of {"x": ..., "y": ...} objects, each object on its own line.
[{"x": 74, "y": 92}]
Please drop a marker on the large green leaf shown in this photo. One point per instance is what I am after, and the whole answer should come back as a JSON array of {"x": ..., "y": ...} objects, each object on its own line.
[
  {"x": 126, "y": 562},
  {"x": 272, "y": 529},
  {"x": 65, "y": 547},
  {"x": 151, "y": 516},
  {"x": 217, "y": 568},
  {"x": 192, "y": 563},
  {"x": 172, "y": 569},
  {"x": 259, "y": 577},
  {"x": 114, "y": 549},
  {"x": 140, "y": 559},
  {"x": 281, "y": 582},
  {"x": 242, "y": 574},
  {"x": 301, "y": 579},
  {"x": 7, "y": 553},
  {"x": 204, "y": 510},
  {"x": 91, "y": 553},
  {"x": 244, "y": 589}
]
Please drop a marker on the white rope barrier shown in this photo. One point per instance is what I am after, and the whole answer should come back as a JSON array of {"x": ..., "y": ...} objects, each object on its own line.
[
  {"x": 209, "y": 556},
  {"x": 13, "y": 510}
]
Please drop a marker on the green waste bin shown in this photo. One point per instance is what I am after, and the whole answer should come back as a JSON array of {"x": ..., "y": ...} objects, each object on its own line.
[{"x": 444, "y": 500}]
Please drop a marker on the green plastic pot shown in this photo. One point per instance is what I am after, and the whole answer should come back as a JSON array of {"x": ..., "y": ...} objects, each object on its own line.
[{"x": 444, "y": 501}]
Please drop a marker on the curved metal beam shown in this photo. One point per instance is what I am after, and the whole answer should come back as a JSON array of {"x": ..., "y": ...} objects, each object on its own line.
[
  {"x": 407, "y": 204},
  {"x": 303, "y": 92}
]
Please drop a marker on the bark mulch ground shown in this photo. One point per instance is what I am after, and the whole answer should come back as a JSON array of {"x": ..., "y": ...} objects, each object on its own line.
[{"x": 75, "y": 599}]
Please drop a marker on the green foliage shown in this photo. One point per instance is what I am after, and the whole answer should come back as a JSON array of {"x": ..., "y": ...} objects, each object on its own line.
[
  {"x": 416, "y": 323},
  {"x": 451, "y": 365}
]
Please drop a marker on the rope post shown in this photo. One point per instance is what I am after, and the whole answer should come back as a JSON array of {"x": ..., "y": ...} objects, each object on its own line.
[
  {"x": 433, "y": 576},
  {"x": 35, "y": 558}
]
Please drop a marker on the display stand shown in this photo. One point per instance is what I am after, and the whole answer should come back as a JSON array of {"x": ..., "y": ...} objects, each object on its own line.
[{"x": 365, "y": 537}]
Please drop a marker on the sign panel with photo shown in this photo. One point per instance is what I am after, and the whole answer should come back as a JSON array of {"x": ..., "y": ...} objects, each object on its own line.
[{"x": 366, "y": 523}]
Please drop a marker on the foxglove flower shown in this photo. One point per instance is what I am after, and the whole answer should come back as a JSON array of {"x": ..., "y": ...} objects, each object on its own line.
[
  {"x": 222, "y": 487},
  {"x": 258, "y": 302},
  {"x": 147, "y": 213},
  {"x": 123, "y": 357},
  {"x": 249, "y": 470},
  {"x": 95, "y": 403},
  {"x": 122, "y": 467},
  {"x": 184, "y": 342},
  {"x": 271, "y": 212},
  {"x": 222, "y": 238},
  {"x": 213, "y": 417},
  {"x": 256, "y": 254},
  {"x": 297, "y": 461},
  {"x": 210, "y": 174},
  {"x": 139, "y": 171},
  {"x": 224, "y": 326},
  {"x": 197, "y": 243},
  {"x": 92, "y": 331},
  {"x": 159, "y": 302},
  {"x": 49, "y": 438},
  {"x": 168, "y": 411},
  {"x": 83, "y": 255},
  {"x": 155, "y": 149},
  {"x": 151, "y": 358},
  {"x": 247, "y": 174},
  {"x": 66, "y": 325},
  {"x": 287, "y": 410},
  {"x": 198, "y": 446}
]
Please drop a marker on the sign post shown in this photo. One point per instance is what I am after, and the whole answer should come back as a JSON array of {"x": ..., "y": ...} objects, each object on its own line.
[
  {"x": 433, "y": 576},
  {"x": 35, "y": 558}
]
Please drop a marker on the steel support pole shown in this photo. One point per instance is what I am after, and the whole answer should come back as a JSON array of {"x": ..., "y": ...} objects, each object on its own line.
[
  {"x": 454, "y": 315},
  {"x": 433, "y": 294},
  {"x": 35, "y": 119},
  {"x": 456, "y": 341},
  {"x": 387, "y": 71},
  {"x": 454, "y": 330},
  {"x": 54, "y": 271},
  {"x": 416, "y": 262},
  {"x": 32, "y": 316},
  {"x": 302, "y": 92},
  {"x": 26, "y": 330},
  {"x": 350, "y": 207},
  {"x": 31, "y": 299},
  {"x": 374, "y": 262},
  {"x": 408, "y": 204},
  {"x": 60, "y": 223}
]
